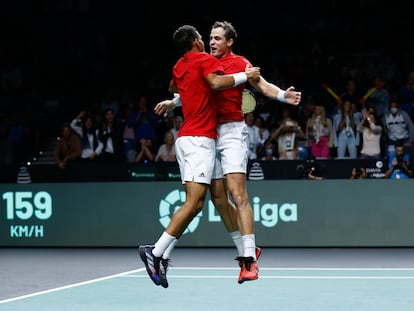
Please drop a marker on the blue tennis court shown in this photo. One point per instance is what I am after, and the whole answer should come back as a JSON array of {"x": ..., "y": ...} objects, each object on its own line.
[{"x": 206, "y": 279}]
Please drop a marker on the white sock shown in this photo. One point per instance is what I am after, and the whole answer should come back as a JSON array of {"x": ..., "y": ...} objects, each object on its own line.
[
  {"x": 249, "y": 245},
  {"x": 162, "y": 244},
  {"x": 167, "y": 252},
  {"x": 238, "y": 241}
]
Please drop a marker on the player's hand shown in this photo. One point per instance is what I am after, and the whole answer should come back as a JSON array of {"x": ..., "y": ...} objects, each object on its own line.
[
  {"x": 252, "y": 73},
  {"x": 292, "y": 97},
  {"x": 164, "y": 107}
]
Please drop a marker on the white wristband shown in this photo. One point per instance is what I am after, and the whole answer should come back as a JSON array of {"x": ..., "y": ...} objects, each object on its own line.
[
  {"x": 177, "y": 100},
  {"x": 239, "y": 78},
  {"x": 281, "y": 96}
]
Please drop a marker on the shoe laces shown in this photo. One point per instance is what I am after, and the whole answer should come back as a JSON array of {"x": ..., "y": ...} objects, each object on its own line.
[{"x": 165, "y": 263}]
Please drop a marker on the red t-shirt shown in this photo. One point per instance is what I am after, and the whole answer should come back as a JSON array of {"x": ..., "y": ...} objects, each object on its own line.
[
  {"x": 197, "y": 98},
  {"x": 230, "y": 100}
]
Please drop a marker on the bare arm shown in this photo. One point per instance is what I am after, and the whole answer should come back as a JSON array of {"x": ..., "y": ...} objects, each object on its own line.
[
  {"x": 221, "y": 82},
  {"x": 216, "y": 82},
  {"x": 271, "y": 90}
]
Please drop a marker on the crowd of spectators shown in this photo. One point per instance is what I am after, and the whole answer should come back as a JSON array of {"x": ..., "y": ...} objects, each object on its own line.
[{"x": 77, "y": 67}]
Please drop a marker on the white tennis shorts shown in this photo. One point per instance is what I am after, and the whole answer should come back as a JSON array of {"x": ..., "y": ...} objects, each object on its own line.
[
  {"x": 231, "y": 149},
  {"x": 196, "y": 156}
]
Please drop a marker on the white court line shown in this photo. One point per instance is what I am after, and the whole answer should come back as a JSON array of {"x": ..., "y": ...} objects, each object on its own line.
[
  {"x": 127, "y": 274},
  {"x": 281, "y": 277},
  {"x": 297, "y": 269},
  {"x": 290, "y": 276},
  {"x": 71, "y": 286}
]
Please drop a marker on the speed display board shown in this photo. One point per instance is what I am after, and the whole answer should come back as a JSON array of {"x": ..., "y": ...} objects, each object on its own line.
[{"x": 287, "y": 213}]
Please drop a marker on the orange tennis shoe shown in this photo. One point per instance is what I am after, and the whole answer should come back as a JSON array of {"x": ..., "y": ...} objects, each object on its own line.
[{"x": 249, "y": 269}]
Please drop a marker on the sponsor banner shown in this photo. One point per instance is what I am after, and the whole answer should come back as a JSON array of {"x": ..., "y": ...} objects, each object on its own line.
[{"x": 288, "y": 213}]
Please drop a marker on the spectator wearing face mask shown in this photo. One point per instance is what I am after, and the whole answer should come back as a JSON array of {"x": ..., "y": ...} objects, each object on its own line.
[
  {"x": 398, "y": 126},
  {"x": 268, "y": 152}
]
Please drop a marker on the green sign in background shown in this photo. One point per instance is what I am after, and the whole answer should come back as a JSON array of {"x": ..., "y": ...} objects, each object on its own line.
[{"x": 288, "y": 213}]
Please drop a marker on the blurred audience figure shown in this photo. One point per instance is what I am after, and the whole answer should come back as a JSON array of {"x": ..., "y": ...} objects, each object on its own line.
[
  {"x": 253, "y": 138},
  {"x": 406, "y": 95},
  {"x": 110, "y": 133},
  {"x": 264, "y": 132},
  {"x": 287, "y": 137},
  {"x": 358, "y": 173},
  {"x": 371, "y": 131},
  {"x": 305, "y": 111},
  {"x": 319, "y": 134},
  {"x": 67, "y": 148},
  {"x": 346, "y": 136},
  {"x": 352, "y": 93},
  {"x": 84, "y": 126},
  {"x": 166, "y": 152},
  {"x": 399, "y": 163},
  {"x": 311, "y": 169},
  {"x": 377, "y": 96},
  {"x": 177, "y": 123},
  {"x": 128, "y": 136},
  {"x": 398, "y": 126},
  {"x": 268, "y": 152},
  {"x": 145, "y": 152},
  {"x": 266, "y": 109},
  {"x": 144, "y": 121}
]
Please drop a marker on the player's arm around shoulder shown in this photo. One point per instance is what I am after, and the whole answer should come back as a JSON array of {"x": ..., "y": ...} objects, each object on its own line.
[{"x": 217, "y": 81}]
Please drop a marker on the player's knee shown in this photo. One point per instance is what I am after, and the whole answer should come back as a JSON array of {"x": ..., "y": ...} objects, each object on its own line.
[{"x": 240, "y": 200}]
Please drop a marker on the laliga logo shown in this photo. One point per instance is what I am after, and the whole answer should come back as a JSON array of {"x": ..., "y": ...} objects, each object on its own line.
[
  {"x": 170, "y": 204},
  {"x": 268, "y": 214}
]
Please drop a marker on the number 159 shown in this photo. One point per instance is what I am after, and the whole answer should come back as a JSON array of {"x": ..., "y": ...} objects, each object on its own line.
[{"x": 23, "y": 204}]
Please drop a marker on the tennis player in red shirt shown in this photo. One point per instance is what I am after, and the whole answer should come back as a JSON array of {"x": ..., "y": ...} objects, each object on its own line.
[
  {"x": 231, "y": 147},
  {"x": 196, "y": 76}
]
